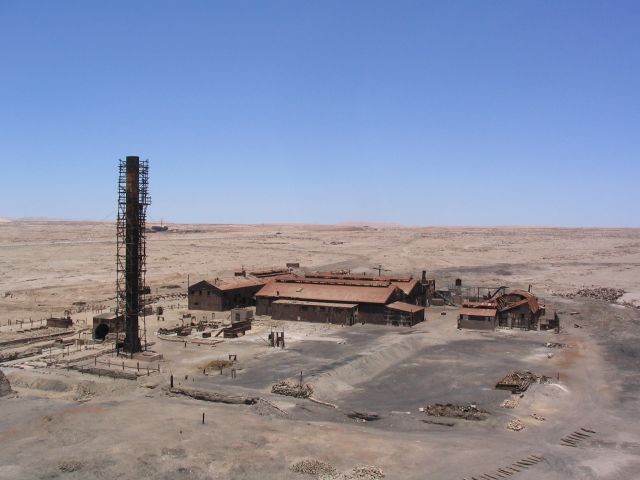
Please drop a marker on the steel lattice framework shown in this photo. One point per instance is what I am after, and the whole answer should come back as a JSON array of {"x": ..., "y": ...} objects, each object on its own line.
[{"x": 133, "y": 199}]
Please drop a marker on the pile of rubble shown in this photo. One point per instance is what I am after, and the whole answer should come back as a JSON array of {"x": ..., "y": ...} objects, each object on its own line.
[
  {"x": 515, "y": 425},
  {"x": 467, "y": 412},
  {"x": 314, "y": 467},
  {"x": 363, "y": 472},
  {"x": 510, "y": 403},
  {"x": 292, "y": 389},
  {"x": 518, "y": 382},
  {"x": 601, "y": 293}
]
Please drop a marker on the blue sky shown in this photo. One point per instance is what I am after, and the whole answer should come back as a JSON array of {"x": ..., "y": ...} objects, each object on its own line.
[{"x": 413, "y": 112}]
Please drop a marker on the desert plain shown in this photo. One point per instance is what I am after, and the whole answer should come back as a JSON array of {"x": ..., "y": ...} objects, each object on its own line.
[{"x": 59, "y": 422}]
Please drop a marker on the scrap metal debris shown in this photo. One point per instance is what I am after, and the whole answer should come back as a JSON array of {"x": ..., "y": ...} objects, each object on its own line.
[
  {"x": 555, "y": 345},
  {"x": 292, "y": 389},
  {"x": 540, "y": 418},
  {"x": 515, "y": 425},
  {"x": 466, "y": 412},
  {"x": 518, "y": 382}
]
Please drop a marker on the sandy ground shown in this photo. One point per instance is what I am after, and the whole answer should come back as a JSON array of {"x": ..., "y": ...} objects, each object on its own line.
[{"x": 64, "y": 424}]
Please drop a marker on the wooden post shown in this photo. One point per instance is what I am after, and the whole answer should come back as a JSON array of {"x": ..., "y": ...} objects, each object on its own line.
[
  {"x": 171, "y": 380},
  {"x": 203, "y": 418}
]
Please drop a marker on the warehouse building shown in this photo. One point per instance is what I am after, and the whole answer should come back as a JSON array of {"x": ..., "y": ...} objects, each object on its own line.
[
  {"x": 370, "y": 297},
  {"x": 223, "y": 294}
]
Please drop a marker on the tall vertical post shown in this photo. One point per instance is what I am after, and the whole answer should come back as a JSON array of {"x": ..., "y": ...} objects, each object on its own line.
[
  {"x": 131, "y": 250},
  {"x": 132, "y": 256}
]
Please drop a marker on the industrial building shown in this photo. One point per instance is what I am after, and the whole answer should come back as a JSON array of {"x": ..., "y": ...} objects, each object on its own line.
[
  {"x": 223, "y": 294},
  {"x": 370, "y": 297},
  {"x": 515, "y": 309},
  {"x": 403, "y": 314},
  {"x": 411, "y": 290}
]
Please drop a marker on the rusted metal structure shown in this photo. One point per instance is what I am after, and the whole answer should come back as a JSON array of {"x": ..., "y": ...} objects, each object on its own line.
[
  {"x": 515, "y": 309},
  {"x": 133, "y": 199},
  {"x": 401, "y": 314}
]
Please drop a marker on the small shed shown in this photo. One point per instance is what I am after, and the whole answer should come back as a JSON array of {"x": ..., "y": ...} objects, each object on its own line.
[
  {"x": 403, "y": 314},
  {"x": 477, "y": 318},
  {"x": 59, "y": 322},
  {"x": 106, "y": 323}
]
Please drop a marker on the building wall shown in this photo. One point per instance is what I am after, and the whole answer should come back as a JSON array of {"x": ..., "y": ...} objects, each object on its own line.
[
  {"x": 205, "y": 299},
  {"x": 476, "y": 323},
  {"x": 202, "y": 298},
  {"x": 371, "y": 313},
  {"x": 520, "y": 317},
  {"x": 313, "y": 313},
  {"x": 396, "y": 317}
]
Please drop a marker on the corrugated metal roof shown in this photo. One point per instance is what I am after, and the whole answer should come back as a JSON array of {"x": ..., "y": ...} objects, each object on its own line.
[
  {"x": 283, "y": 301},
  {"x": 329, "y": 293},
  {"x": 478, "y": 312},
  {"x": 406, "y": 284},
  {"x": 405, "y": 307}
]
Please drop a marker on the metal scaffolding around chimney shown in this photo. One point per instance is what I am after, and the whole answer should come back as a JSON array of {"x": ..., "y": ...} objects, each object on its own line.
[{"x": 133, "y": 199}]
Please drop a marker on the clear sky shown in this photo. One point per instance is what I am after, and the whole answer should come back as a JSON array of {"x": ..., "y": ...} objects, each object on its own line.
[{"x": 414, "y": 112}]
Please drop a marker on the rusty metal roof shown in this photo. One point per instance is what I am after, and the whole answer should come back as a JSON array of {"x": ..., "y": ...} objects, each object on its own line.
[
  {"x": 283, "y": 301},
  {"x": 406, "y": 284},
  {"x": 478, "y": 312},
  {"x": 328, "y": 293},
  {"x": 387, "y": 278},
  {"x": 405, "y": 307}
]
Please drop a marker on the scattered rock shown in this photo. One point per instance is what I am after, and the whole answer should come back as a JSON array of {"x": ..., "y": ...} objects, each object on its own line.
[{"x": 540, "y": 418}]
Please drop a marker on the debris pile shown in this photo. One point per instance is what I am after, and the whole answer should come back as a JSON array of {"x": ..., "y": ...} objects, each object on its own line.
[
  {"x": 313, "y": 467},
  {"x": 292, "y": 389},
  {"x": 510, "y": 403},
  {"x": 518, "y": 382},
  {"x": 554, "y": 345},
  {"x": 363, "y": 472},
  {"x": 515, "y": 425},
  {"x": 601, "y": 293},
  {"x": 5, "y": 386},
  {"x": 467, "y": 412}
]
